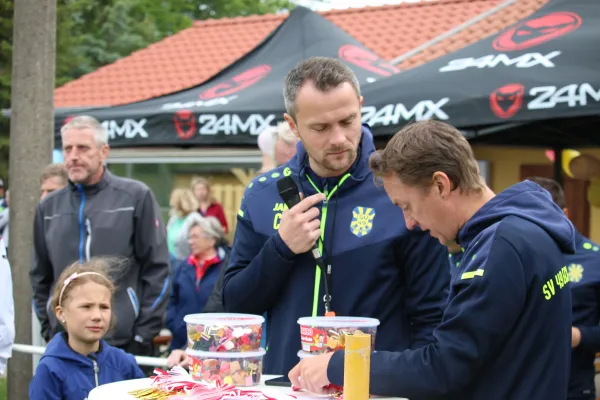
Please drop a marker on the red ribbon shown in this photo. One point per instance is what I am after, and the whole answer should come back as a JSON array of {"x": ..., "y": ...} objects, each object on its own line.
[{"x": 179, "y": 383}]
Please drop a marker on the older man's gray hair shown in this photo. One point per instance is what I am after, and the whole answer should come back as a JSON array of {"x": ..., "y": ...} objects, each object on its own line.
[{"x": 87, "y": 122}]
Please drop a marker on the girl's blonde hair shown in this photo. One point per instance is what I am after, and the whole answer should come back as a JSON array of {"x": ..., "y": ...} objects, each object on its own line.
[
  {"x": 183, "y": 202},
  {"x": 95, "y": 270},
  {"x": 200, "y": 180}
]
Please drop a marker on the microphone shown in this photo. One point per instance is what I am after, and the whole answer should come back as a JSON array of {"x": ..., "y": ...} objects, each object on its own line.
[{"x": 288, "y": 191}]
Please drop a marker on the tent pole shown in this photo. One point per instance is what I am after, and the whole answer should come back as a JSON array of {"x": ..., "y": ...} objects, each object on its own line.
[{"x": 558, "y": 171}]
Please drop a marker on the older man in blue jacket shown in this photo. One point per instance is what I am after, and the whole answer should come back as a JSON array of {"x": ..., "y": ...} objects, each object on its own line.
[{"x": 379, "y": 268}]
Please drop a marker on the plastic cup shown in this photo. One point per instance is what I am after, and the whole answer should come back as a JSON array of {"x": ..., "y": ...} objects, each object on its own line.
[{"x": 302, "y": 355}]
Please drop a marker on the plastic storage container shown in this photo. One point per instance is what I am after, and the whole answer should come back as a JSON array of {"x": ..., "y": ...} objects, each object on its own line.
[
  {"x": 224, "y": 332},
  {"x": 320, "y": 335},
  {"x": 239, "y": 369},
  {"x": 302, "y": 355}
]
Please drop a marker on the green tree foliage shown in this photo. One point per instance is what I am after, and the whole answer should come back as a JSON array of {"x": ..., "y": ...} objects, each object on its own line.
[
  {"x": 94, "y": 33},
  {"x": 234, "y": 8},
  {"x": 6, "y": 12}
]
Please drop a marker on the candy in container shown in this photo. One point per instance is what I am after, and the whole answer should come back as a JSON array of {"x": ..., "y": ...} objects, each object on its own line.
[
  {"x": 320, "y": 335},
  {"x": 239, "y": 369},
  {"x": 224, "y": 332}
]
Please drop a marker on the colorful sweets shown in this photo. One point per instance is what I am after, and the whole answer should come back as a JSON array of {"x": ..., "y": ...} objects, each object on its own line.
[
  {"x": 320, "y": 335},
  {"x": 224, "y": 332},
  {"x": 239, "y": 369}
]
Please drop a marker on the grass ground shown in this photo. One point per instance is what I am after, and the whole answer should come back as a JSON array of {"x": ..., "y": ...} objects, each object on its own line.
[{"x": 2, "y": 388}]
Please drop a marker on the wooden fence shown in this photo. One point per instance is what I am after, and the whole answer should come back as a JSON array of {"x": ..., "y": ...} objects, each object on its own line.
[{"x": 230, "y": 196}]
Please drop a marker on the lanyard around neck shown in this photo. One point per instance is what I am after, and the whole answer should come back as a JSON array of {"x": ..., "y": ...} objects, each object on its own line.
[{"x": 327, "y": 272}]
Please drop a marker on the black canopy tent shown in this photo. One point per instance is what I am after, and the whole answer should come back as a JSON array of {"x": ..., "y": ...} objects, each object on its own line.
[
  {"x": 536, "y": 83},
  {"x": 234, "y": 106}
]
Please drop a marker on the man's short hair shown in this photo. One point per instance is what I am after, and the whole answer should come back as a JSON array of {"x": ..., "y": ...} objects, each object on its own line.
[
  {"x": 325, "y": 73},
  {"x": 422, "y": 148},
  {"x": 86, "y": 121},
  {"x": 553, "y": 187},
  {"x": 52, "y": 170}
]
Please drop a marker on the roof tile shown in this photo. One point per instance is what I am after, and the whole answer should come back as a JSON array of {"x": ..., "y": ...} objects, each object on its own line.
[{"x": 193, "y": 55}]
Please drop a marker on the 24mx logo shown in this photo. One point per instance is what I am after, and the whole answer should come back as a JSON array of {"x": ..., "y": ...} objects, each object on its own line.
[
  {"x": 130, "y": 128},
  {"x": 526, "y": 34},
  {"x": 237, "y": 83},
  {"x": 185, "y": 124},
  {"x": 233, "y": 124},
  {"x": 506, "y": 101},
  {"x": 393, "y": 114},
  {"x": 528, "y": 60},
  {"x": 178, "y": 105},
  {"x": 535, "y": 31},
  {"x": 366, "y": 60}
]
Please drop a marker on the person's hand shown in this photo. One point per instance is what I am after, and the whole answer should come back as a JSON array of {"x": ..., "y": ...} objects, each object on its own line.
[
  {"x": 178, "y": 358},
  {"x": 575, "y": 337},
  {"x": 299, "y": 228},
  {"x": 311, "y": 374}
]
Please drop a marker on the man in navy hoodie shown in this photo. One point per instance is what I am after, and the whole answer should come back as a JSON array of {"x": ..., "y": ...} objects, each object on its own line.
[
  {"x": 584, "y": 274},
  {"x": 379, "y": 268},
  {"x": 505, "y": 333}
]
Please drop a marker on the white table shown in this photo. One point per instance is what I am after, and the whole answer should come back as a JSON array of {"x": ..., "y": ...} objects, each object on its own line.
[{"x": 119, "y": 390}]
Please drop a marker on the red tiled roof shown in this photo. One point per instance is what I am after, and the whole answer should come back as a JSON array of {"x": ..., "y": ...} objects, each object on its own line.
[{"x": 193, "y": 55}]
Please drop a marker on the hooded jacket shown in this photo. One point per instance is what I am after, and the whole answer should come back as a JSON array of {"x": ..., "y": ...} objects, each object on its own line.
[
  {"x": 379, "y": 268},
  {"x": 584, "y": 274},
  {"x": 505, "y": 332},
  {"x": 63, "y": 374},
  {"x": 115, "y": 217}
]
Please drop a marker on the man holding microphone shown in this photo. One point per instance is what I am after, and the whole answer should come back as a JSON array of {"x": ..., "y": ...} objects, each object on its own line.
[{"x": 373, "y": 267}]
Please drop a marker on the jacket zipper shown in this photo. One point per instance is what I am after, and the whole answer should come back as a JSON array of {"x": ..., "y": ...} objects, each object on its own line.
[
  {"x": 134, "y": 301},
  {"x": 88, "y": 241},
  {"x": 96, "y": 371},
  {"x": 81, "y": 225}
]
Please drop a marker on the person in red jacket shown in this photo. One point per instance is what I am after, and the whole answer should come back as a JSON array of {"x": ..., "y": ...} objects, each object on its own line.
[{"x": 208, "y": 205}]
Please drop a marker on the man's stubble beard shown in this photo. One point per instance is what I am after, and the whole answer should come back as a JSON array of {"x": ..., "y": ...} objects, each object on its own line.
[
  {"x": 88, "y": 177},
  {"x": 351, "y": 157},
  {"x": 325, "y": 164}
]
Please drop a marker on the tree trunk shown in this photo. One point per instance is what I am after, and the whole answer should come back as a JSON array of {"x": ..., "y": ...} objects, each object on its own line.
[{"x": 31, "y": 142}]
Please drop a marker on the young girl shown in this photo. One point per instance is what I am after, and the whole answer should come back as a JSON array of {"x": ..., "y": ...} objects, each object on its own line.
[{"x": 78, "y": 360}]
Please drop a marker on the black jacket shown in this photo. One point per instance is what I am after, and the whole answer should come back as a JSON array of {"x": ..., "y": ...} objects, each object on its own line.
[
  {"x": 116, "y": 217},
  {"x": 214, "y": 304}
]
